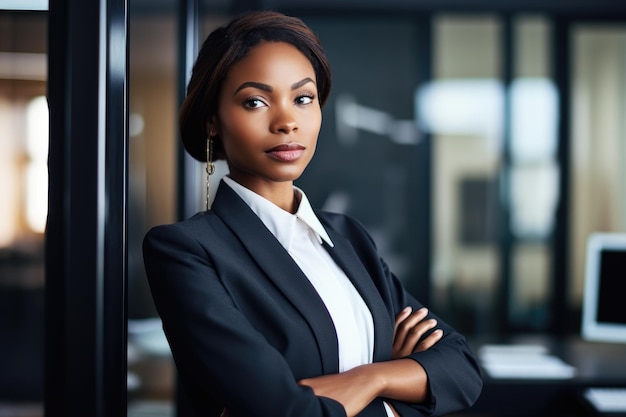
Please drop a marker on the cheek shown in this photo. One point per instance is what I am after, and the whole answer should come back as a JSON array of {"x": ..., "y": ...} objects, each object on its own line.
[
  {"x": 237, "y": 129},
  {"x": 312, "y": 121}
]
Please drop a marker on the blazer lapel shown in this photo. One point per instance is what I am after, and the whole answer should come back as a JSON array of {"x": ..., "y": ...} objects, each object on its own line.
[
  {"x": 278, "y": 265},
  {"x": 344, "y": 254}
]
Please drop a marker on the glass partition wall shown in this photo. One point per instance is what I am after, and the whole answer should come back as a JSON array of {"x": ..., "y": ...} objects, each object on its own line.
[
  {"x": 23, "y": 209},
  {"x": 494, "y": 170},
  {"x": 154, "y": 192},
  {"x": 533, "y": 173},
  {"x": 151, "y": 197},
  {"x": 463, "y": 108},
  {"x": 598, "y": 158}
]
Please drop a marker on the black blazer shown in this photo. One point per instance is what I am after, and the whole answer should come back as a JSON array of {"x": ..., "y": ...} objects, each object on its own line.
[{"x": 244, "y": 324}]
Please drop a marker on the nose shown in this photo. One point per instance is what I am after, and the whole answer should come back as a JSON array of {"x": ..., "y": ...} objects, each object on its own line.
[{"x": 284, "y": 120}]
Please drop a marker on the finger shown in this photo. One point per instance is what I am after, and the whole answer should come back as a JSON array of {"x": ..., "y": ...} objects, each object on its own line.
[
  {"x": 413, "y": 318},
  {"x": 404, "y": 313},
  {"x": 429, "y": 341},
  {"x": 404, "y": 327},
  {"x": 416, "y": 333},
  {"x": 401, "y": 316},
  {"x": 401, "y": 328},
  {"x": 407, "y": 326}
]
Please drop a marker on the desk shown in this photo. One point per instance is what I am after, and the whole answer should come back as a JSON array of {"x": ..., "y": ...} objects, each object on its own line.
[{"x": 597, "y": 364}]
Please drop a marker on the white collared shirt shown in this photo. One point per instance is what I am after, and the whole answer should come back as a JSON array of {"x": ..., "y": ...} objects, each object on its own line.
[{"x": 303, "y": 236}]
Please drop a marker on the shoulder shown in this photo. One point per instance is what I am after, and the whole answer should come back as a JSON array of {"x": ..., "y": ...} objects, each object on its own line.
[
  {"x": 197, "y": 220},
  {"x": 195, "y": 228}
]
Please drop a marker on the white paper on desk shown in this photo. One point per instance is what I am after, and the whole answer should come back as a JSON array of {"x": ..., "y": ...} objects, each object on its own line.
[
  {"x": 523, "y": 362},
  {"x": 607, "y": 400}
]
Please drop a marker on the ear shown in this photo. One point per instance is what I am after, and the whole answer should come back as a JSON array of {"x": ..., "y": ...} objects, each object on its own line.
[{"x": 212, "y": 127}]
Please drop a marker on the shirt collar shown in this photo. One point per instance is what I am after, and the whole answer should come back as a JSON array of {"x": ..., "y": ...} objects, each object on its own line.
[{"x": 280, "y": 222}]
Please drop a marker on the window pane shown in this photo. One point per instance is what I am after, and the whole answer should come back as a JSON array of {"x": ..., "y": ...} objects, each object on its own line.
[
  {"x": 598, "y": 158},
  {"x": 151, "y": 196},
  {"x": 534, "y": 174},
  {"x": 463, "y": 110},
  {"x": 23, "y": 205}
]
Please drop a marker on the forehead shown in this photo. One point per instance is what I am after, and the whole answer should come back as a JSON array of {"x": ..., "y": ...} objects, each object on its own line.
[{"x": 272, "y": 61}]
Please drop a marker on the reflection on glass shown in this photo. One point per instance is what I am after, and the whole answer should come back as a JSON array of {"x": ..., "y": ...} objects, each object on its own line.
[
  {"x": 461, "y": 107},
  {"x": 37, "y": 169},
  {"x": 534, "y": 190},
  {"x": 534, "y": 174},
  {"x": 352, "y": 117},
  {"x": 8, "y": 173},
  {"x": 31, "y": 5},
  {"x": 534, "y": 104}
]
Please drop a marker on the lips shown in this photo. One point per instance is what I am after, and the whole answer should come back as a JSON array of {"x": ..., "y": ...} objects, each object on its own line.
[{"x": 286, "y": 152}]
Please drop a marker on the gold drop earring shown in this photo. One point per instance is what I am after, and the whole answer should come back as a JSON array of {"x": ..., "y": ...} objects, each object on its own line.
[{"x": 210, "y": 166}]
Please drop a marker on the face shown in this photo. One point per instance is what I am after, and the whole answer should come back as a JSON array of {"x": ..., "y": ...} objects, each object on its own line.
[{"x": 269, "y": 116}]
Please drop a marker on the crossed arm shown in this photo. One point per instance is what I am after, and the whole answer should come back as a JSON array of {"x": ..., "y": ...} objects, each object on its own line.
[{"x": 401, "y": 378}]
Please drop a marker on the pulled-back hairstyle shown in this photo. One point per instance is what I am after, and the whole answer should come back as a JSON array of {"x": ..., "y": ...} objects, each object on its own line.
[{"x": 228, "y": 45}]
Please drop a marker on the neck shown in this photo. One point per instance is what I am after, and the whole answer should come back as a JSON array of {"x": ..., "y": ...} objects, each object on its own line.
[
  {"x": 297, "y": 198},
  {"x": 280, "y": 193}
]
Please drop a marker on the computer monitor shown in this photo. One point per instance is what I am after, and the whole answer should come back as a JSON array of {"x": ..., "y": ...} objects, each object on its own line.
[{"x": 604, "y": 298}]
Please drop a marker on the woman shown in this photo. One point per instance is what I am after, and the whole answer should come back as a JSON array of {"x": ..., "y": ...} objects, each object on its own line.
[{"x": 272, "y": 308}]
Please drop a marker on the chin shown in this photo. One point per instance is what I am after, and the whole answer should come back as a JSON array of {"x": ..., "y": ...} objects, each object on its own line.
[
  {"x": 288, "y": 176},
  {"x": 289, "y": 173}
]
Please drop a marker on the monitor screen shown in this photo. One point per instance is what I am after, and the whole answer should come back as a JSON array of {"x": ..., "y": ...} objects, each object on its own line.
[{"x": 604, "y": 308}]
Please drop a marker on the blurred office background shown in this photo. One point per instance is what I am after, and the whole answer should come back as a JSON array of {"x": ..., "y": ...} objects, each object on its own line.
[{"x": 480, "y": 144}]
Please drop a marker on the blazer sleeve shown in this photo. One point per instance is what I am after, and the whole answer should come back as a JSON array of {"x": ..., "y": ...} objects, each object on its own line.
[
  {"x": 454, "y": 377},
  {"x": 215, "y": 348}
]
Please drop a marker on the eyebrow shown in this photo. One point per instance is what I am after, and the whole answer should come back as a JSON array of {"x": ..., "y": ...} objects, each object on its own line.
[
  {"x": 301, "y": 83},
  {"x": 269, "y": 89}
]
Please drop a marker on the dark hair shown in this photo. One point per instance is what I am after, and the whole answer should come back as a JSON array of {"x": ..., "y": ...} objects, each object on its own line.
[{"x": 222, "y": 49}]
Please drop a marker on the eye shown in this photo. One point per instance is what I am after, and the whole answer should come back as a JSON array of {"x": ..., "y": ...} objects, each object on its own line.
[
  {"x": 305, "y": 99},
  {"x": 254, "y": 103}
]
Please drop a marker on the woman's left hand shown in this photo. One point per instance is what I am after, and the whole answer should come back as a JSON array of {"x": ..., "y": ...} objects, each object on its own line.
[
  {"x": 402, "y": 380},
  {"x": 354, "y": 389},
  {"x": 409, "y": 330}
]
